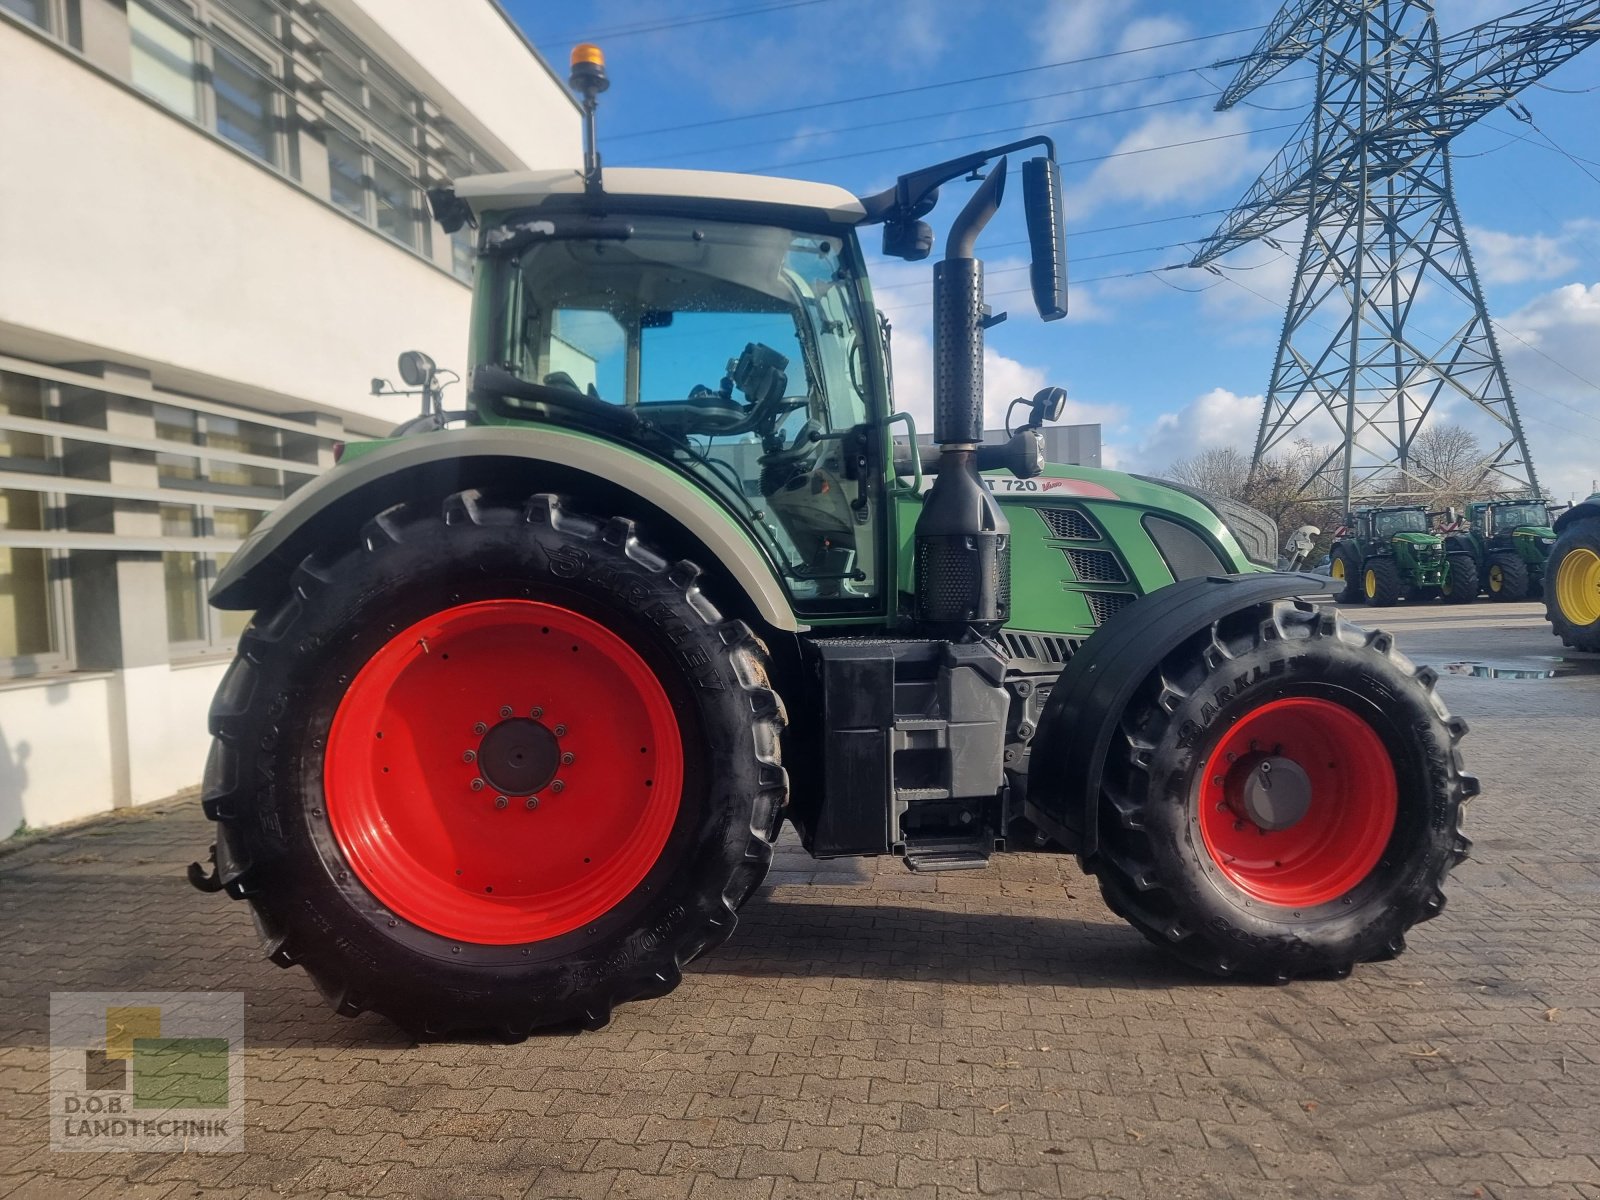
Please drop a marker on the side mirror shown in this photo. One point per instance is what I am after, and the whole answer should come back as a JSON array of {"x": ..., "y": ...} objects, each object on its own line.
[
  {"x": 1047, "y": 236},
  {"x": 1048, "y": 405},
  {"x": 378, "y": 385},
  {"x": 416, "y": 368},
  {"x": 910, "y": 240}
]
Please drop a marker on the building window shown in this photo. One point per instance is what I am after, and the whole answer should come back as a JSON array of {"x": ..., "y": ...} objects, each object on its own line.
[
  {"x": 32, "y": 595},
  {"x": 214, "y": 68},
  {"x": 193, "y": 626},
  {"x": 165, "y": 66},
  {"x": 243, "y": 87},
  {"x": 29, "y": 10}
]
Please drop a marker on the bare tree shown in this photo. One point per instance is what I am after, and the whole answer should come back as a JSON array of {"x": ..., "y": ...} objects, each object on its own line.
[
  {"x": 1283, "y": 486},
  {"x": 1446, "y": 467}
]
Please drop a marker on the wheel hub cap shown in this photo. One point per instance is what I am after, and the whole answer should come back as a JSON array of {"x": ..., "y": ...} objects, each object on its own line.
[
  {"x": 519, "y": 757},
  {"x": 1276, "y": 793}
]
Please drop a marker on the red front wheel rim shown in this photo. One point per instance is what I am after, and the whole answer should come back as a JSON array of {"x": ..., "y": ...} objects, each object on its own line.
[
  {"x": 1333, "y": 813},
  {"x": 503, "y": 772}
]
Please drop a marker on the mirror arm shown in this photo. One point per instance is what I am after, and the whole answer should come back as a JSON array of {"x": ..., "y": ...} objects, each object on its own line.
[{"x": 913, "y": 189}]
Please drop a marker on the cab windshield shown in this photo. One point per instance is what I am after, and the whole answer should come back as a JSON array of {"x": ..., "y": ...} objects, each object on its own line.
[
  {"x": 1510, "y": 517},
  {"x": 1410, "y": 520},
  {"x": 737, "y": 347}
]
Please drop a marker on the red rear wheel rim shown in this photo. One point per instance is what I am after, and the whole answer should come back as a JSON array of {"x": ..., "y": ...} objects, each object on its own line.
[
  {"x": 504, "y": 771},
  {"x": 1347, "y": 821}
]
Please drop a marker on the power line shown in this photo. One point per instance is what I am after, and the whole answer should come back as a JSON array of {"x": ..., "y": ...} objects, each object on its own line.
[
  {"x": 1009, "y": 73},
  {"x": 1103, "y": 112},
  {"x": 965, "y": 109},
  {"x": 623, "y": 31},
  {"x": 1065, "y": 162}
]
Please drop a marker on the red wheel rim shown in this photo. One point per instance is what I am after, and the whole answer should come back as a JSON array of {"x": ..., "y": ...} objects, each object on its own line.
[
  {"x": 503, "y": 771},
  {"x": 1334, "y": 761}
]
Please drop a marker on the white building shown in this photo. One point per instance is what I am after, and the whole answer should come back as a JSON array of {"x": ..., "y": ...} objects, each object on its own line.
[{"x": 212, "y": 236}]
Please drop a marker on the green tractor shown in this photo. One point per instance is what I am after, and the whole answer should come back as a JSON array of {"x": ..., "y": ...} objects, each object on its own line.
[
  {"x": 530, "y": 689},
  {"x": 1508, "y": 542},
  {"x": 1572, "y": 576},
  {"x": 1385, "y": 553}
]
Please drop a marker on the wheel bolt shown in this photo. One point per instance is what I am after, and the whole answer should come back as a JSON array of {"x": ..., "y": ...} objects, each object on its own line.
[
  {"x": 532, "y": 802},
  {"x": 477, "y": 785},
  {"x": 480, "y": 729},
  {"x": 561, "y": 731},
  {"x": 469, "y": 756},
  {"x": 501, "y": 802},
  {"x": 505, "y": 710},
  {"x": 556, "y": 785},
  {"x": 538, "y": 712},
  {"x": 568, "y": 758}
]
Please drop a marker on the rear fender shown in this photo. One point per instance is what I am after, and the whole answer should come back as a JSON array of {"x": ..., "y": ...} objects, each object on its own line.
[
  {"x": 1578, "y": 512},
  {"x": 1081, "y": 717},
  {"x": 332, "y": 510}
]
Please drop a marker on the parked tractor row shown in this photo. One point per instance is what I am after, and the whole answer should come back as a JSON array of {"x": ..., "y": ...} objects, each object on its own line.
[{"x": 1384, "y": 554}]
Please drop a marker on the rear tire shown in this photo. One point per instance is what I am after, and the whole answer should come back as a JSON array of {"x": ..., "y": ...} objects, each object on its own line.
[
  {"x": 1461, "y": 579},
  {"x": 1331, "y": 705},
  {"x": 1572, "y": 585},
  {"x": 1346, "y": 568},
  {"x": 382, "y": 883},
  {"x": 1381, "y": 582},
  {"x": 1508, "y": 578}
]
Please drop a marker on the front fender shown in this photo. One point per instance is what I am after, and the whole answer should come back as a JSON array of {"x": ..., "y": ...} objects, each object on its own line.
[
  {"x": 1086, "y": 704},
  {"x": 335, "y": 506}
]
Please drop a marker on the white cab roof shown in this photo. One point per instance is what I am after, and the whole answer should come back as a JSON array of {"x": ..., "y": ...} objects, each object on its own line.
[{"x": 516, "y": 189}]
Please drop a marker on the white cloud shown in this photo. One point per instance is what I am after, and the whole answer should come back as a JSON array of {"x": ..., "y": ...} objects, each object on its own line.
[
  {"x": 1217, "y": 418},
  {"x": 1518, "y": 258},
  {"x": 1202, "y": 153},
  {"x": 1075, "y": 28},
  {"x": 1551, "y": 348}
]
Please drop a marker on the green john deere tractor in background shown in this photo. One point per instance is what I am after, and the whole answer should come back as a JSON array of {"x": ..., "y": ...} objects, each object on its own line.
[
  {"x": 1508, "y": 542},
  {"x": 1572, "y": 576},
  {"x": 531, "y": 687},
  {"x": 1385, "y": 553}
]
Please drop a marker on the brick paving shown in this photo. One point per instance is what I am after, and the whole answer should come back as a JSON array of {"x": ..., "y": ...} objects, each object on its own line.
[{"x": 873, "y": 1033}]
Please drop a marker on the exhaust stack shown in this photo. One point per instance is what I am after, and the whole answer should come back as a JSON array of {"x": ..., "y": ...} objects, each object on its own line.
[{"x": 963, "y": 541}]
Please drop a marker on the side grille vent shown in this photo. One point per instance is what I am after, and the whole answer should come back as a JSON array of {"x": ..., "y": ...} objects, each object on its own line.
[
  {"x": 1069, "y": 524},
  {"x": 1049, "y": 649},
  {"x": 1104, "y": 605},
  {"x": 1095, "y": 566}
]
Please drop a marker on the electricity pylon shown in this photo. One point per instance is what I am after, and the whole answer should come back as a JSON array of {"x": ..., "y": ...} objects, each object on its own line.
[{"x": 1369, "y": 173}]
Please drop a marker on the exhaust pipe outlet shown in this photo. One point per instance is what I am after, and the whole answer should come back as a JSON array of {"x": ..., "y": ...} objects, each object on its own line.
[{"x": 962, "y": 540}]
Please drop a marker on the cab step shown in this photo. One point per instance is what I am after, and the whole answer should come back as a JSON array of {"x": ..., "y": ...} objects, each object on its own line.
[{"x": 946, "y": 860}]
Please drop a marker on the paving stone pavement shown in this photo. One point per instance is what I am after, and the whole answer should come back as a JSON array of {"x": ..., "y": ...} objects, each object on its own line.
[{"x": 873, "y": 1033}]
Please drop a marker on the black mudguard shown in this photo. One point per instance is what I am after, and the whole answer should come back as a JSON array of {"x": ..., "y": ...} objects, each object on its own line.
[
  {"x": 1081, "y": 716},
  {"x": 1578, "y": 512}
]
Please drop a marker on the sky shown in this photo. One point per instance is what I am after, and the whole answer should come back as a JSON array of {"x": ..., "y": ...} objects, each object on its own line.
[{"x": 1168, "y": 361}]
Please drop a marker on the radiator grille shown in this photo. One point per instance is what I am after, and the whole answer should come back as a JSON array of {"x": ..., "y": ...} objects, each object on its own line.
[
  {"x": 1069, "y": 524},
  {"x": 1095, "y": 566},
  {"x": 1104, "y": 605}
]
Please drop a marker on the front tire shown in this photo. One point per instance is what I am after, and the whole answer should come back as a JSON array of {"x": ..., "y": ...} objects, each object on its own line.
[
  {"x": 1461, "y": 579},
  {"x": 1572, "y": 585},
  {"x": 1201, "y": 855},
  {"x": 494, "y": 768},
  {"x": 1508, "y": 578},
  {"x": 1381, "y": 582},
  {"x": 1346, "y": 568}
]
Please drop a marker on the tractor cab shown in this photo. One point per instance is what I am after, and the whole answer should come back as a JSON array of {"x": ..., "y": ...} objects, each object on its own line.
[
  {"x": 717, "y": 323},
  {"x": 1511, "y": 541}
]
